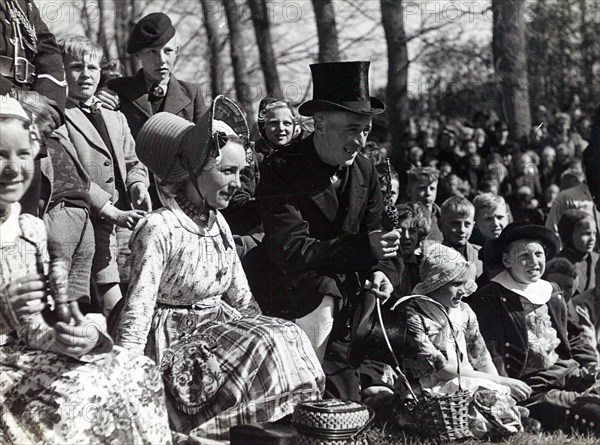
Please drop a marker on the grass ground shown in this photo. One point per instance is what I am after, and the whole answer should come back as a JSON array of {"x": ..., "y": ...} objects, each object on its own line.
[{"x": 384, "y": 432}]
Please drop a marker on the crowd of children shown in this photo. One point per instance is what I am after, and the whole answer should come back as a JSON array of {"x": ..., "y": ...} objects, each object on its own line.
[{"x": 496, "y": 243}]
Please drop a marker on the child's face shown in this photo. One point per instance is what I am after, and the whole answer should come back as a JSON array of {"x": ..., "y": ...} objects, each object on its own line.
[
  {"x": 451, "y": 294},
  {"x": 394, "y": 191},
  {"x": 475, "y": 161},
  {"x": 158, "y": 61},
  {"x": 279, "y": 126},
  {"x": 567, "y": 284},
  {"x": 82, "y": 76},
  {"x": 525, "y": 260},
  {"x": 423, "y": 191},
  {"x": 491, "y": 221},
  {"x": 552, "y": 193},
  {"x": 457, "y": 228},
  {"x": 584, "y": 236},
  {"x": 471, "y": 147},
  {"x": 409, "y": 237},
  {"x": 16, "y": 162}
]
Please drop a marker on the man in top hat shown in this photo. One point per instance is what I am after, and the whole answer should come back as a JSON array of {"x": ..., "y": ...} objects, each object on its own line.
[
  {"x": 154, "y": 88},
  {"x": 321, "y": 207}
]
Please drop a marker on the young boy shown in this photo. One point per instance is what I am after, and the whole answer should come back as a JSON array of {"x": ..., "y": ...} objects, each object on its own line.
[
  {"x": 457, "y": 223},
  {"x": 491, "y": 217},
  {"x": 522, "y": 322},
  {"x": 107, "y": 151},
  {"x": 422, "y": 189}
]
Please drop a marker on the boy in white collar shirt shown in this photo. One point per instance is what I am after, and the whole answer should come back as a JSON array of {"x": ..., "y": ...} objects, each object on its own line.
[
  {"x": 522, "y": 322},
  {"x": 103, "y": 141}
]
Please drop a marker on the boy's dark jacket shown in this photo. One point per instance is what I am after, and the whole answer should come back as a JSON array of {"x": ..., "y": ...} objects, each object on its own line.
[{"x": 503, "y": 325}]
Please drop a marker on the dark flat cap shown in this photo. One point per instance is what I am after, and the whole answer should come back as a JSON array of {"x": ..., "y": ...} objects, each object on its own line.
[{"x": 151, "y": 31}]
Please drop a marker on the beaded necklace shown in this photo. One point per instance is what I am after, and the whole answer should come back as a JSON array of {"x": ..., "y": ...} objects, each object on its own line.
[{"x": 191, "y": 210}]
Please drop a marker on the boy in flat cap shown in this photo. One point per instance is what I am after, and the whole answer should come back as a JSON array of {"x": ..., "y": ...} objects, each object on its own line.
[
  {"x": 154, "y": 88},
  {"x": 321, "y": 207}
]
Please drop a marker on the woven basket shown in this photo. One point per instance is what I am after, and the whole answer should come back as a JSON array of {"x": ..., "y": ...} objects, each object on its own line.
[
  {"x": 442, "y": 417},
  {"x": 331, "y": 420}
]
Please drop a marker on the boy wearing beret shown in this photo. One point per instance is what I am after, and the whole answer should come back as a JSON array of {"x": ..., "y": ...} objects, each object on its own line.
[{"x": 154, "y": 88}]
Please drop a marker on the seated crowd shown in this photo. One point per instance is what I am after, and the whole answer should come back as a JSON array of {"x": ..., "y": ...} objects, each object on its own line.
[{"x": 181, "y": 273}]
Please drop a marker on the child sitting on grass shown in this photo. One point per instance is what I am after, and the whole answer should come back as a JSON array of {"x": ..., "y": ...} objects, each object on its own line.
[
  {"x": 429, "y": 344},
  {"x": 520, "y": 320}
]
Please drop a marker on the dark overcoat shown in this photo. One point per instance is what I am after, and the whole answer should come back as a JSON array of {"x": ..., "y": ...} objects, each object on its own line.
[{"x": 315, "y": 242}]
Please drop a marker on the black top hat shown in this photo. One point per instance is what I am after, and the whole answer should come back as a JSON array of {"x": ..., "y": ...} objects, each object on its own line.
[
  {"x": 151, "y": 31},
  {"x": 521, "y": 230},
  {"x": 341, "y": 86}
]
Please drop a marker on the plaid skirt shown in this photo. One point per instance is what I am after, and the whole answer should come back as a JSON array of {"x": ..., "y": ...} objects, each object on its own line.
[{"x": 267, "y": 366}]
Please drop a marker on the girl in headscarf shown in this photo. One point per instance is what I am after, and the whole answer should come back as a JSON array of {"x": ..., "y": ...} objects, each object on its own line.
[{"x": 189, "y": 306}]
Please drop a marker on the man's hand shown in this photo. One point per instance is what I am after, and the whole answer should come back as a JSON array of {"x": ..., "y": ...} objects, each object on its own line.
[
  {"x": 140, "y": 198},
  {"x": 385, "y": 244},
  {"x": 109, "y": 99},
  {"x": 376, "y": 396},
  {"x": 380, "y": 285}
]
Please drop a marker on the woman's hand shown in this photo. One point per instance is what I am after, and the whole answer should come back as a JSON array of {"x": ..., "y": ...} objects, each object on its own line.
[
  {"x": 78, "y": 339},
  {"x": 26, "y": 295},
  {"x": 518, "y": 389}
]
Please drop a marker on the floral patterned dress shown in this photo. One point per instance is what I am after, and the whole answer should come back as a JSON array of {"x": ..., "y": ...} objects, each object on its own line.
[
  {"x": 190, "y": 308},
  {"x": 429, "y": 346},
  {"x": 108, "y": 396}
]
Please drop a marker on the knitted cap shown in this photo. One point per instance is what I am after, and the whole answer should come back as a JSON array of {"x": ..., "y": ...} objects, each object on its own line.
[
  {"x": 171, "y": 146},
  {"x": 439, "y": 266}
]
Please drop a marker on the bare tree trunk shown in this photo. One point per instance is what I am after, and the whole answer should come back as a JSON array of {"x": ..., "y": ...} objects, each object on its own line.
[
  {"x": 238, "y": 60},
  {"x": 101, "y": 32},
  {"x": 510, "y": 62},
  {"x": 587, "y": 33},
  {"x": 215, "y": 46},
  {"x": 262, "y": 29},
  {"x": 328, "y": 37},
  {"x": 125, "y": 15},
  {"x": 397, "y": 87}
]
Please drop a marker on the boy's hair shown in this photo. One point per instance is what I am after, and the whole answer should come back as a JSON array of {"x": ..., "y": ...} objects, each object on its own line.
[
  {"x": 560, "y": 266},
  {"x": 487, "y": 200},
  {"x": 459, "y": 205},
  {"x": 418, "y": 216},
  {"x": 567, "y": 223},
  {"x": 79, "y": 46},
  {"x": 414, "y": 174},
  {"x": 382, "y": 171}
]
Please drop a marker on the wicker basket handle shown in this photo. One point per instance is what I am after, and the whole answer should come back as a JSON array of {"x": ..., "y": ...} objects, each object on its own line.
[{"x": 402, "y": 301}]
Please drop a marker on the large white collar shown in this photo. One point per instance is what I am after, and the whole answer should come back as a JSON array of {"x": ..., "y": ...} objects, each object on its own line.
[{"x": 536, "y": 293}]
